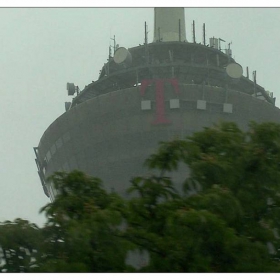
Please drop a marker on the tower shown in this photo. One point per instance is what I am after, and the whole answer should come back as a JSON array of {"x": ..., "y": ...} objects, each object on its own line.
[
  {"x": 169, "y": 24},
  {"x": 154, "y": 92}
]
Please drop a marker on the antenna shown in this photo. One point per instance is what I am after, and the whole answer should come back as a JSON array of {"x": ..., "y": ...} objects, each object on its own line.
[
  {"x": 228, "y": 52},
  {"x": 109, "y": 58},
  {"x": 220, "y": 40},
  {"x": 255, "y": 80},
  {"x": 255, "y": 76},
  {"x": 146, "y": 39},
  {"x": 234, "y": 70},
  {"x": 204, "y": 41},
  {"x": 146, "y": 43},
  {"x": 179, "y": 30},
  {"x": 123, "y": 56},
  {"x": 114, "y": 39},
  {"x": 71, "y": 88},
  {"x": 67, "y": 105},
  {"x": 193, "y": 25}
]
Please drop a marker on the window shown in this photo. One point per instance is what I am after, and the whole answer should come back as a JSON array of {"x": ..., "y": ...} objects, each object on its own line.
[
  {"x": 48, "y": 156},
  {"x": 53, "y": 149},
  {"x": 58, "y": 143}
]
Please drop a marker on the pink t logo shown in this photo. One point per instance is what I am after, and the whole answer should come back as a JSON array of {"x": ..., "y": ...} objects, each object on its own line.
[{"x": 160, "y": 110}]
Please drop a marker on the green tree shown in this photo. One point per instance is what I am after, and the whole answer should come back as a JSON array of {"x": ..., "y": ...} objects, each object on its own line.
[
  {"x": 230, "y": 221},
  {"x": 20, "y": 243},
  {"x": 82, "y": 232},
  {"x": 224, "y": 217}
]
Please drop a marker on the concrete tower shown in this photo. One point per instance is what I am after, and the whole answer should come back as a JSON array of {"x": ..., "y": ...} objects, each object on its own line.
[
  {"x": 153, "y": 92},
  {"x": 169, "y": 24}
]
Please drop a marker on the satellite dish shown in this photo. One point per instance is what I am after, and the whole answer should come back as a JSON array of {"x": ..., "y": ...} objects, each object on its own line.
[
  {"x": 234, "y": 70},
  {"x": 122, "y": 55},
  {"x": 71, "y": 88}
]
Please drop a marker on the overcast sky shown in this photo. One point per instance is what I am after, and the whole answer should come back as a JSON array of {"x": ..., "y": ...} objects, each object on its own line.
[{"x": 42, "y": 49}]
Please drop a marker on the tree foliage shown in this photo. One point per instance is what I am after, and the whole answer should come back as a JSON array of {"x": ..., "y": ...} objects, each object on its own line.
[
  {"x": 20, "y": 243},
  {"x": 83, "y": 227},
  {"x": 237, "y": 177},
  {"x": 224, "y": 217}
]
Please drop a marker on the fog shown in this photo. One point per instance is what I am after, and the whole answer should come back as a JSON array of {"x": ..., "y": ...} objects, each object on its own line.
[{"x": 44, "y": 48}]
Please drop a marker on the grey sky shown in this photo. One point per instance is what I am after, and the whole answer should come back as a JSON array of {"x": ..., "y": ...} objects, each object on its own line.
[{"x": 42, "y": 49}]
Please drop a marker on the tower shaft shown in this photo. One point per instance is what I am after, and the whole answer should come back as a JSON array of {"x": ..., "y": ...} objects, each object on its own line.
[{"x": 169, "y": 24}]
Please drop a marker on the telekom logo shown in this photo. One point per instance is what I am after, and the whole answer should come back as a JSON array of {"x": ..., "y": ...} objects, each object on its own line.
[{"x": 160, "y": 110}]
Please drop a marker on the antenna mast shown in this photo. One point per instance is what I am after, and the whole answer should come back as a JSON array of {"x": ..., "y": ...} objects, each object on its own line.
[
  {"x": 255, "y": 80},
  {"x": 146, "y": 40},
  {"x": 179, "y": 30},
  {"x": 114, "y": 39},
  {"x": 146, "y": 44},
  {"x": 220, "y": 40},
  {"x": 193, "y": 25},
  {"x": 204, "y": 41}
]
